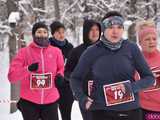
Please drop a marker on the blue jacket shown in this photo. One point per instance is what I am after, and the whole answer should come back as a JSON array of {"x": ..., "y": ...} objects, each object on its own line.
[{"x": 109, "y": 67}]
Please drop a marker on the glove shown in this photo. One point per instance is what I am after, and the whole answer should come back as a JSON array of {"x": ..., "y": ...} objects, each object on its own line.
[
  {"x": 86, "y": 102},
  {"x": 33, "y": 67},
  {"x": 128, "y": 88},
  {"x": 59, "y": 81}
]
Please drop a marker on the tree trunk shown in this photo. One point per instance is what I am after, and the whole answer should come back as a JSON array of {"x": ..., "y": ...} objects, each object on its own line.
[
  {"x": 14, "y": 87},
  {"x": 133, "y": 7},
  {"x": 39, "y": 4},
  {"x": 11, "y": 6},
  {"x": 57, "y": 9},
  {"x": 132, "y": 33},
  {"x": 147, "y": 9}
]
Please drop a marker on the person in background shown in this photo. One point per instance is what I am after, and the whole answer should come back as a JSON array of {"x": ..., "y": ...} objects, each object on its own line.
[
  {"x": 112, "y": 63},
  {"x": 36, "y": 67},
  {"x": 91, "y": 34},
  {"x": 149, "y": 98},
  {"x": 58, "y": 40}
]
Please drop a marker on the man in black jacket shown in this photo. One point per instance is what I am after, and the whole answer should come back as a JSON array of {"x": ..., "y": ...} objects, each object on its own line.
[
  {"x": 58, "y": 40},
  {"x": 91, "y": 34}
]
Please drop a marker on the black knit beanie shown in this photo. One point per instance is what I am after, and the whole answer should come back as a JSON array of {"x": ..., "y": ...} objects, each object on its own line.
[
  {"x": 38, "y": 25},
  {"x": 55, "y": 26}
]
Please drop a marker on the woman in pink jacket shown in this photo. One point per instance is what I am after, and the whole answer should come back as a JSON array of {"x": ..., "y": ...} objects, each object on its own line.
[
  {"x": 150, "y": 98},
  {"x": 37, "y": 67}
]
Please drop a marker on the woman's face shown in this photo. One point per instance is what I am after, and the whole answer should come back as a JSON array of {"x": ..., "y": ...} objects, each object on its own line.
[
  {"x": 41, "y": 32},
  {"x": 149, "y": 43},
  {"x": 114, "y": 33}
]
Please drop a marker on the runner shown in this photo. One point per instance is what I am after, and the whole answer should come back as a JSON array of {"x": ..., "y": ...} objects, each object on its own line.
[
  {"x": 58, "y": 40},
  {"x": 112, "y": 62},
  {"x": 91, "y": 34},
  {"x": 149, "y": 98},
  {"x": 36, "y": 67}
]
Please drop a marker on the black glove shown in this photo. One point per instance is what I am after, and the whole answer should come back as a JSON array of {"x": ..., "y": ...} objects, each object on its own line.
[
  {"x": 33, "y": 67},
  {"x": 59, "y": 81}
]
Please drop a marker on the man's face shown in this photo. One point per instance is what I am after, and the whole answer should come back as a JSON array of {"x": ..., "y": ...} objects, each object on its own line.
[
  {"x": 94, "y": 34},
  {"x": 59, "y": 34},
  {"x": 114, "y": 33}
]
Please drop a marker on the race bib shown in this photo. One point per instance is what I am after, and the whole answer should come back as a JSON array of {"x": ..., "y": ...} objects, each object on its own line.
[
  {"x": 90, "y": 86},
  {"x": 41, "y": 81},
  {"x": 156, "y": 85},
  {"x": 114, "y": 94}
]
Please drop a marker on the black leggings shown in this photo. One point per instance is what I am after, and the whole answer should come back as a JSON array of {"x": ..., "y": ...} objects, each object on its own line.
[
  {"x": 115, "y": 115},
  {"x": 65, "y": 102},
  {"x": 32, "y": 111}
]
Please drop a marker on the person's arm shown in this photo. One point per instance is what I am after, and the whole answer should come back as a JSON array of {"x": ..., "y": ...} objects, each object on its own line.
[
  {"x": 59, "y": 78},
  {"x": 146, "y": 76},
  {"x": 17, "y": 69},
  {"x": 71, "y": 64},
  {"x": 60, "y": 63},
  {"x": 79, "y": 75}
]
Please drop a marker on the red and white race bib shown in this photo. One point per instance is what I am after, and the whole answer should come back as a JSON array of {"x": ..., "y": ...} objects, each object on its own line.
[
  {"x": 90, "y": 86},
  {"x": 114, "y": 94},
  {"x": 41, "y": 81},
  {"x": 156, "y": 85}
]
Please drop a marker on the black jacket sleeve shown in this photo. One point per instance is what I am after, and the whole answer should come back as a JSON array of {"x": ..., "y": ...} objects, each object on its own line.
[
  {"x": 70, "y": 64},
  {"x": 79, "y": 75}
]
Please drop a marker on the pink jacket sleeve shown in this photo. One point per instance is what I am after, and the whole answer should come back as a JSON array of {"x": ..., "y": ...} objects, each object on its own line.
[
  {"x": 17, "y": 69},
  {"x": 60, "y": 63}
]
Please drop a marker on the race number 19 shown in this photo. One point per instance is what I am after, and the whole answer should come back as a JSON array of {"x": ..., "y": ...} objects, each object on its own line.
[
  {"x": 114, "y": 94},
  {"x": 118, "y": 94}
]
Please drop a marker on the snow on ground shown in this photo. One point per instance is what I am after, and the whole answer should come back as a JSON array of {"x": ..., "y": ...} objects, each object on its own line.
[{"x": 4, "y": 83}]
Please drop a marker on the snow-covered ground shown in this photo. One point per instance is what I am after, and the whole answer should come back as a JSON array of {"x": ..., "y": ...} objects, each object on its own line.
[
  {"x": 5, "y": 85},
  {"x": 5, "y": 93}
]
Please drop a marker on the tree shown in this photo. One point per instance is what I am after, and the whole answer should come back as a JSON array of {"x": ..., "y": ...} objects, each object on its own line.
[
  {"x": 12, "y": 6},
  {"x": 57, "y": 9}
]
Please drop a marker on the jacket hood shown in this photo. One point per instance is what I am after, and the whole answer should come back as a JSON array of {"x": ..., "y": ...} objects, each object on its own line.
[{"x": 88, "y": 24}]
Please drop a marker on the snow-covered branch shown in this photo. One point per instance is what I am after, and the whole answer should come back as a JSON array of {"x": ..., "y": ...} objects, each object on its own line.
[
  {"x": 71, "y": 6},
  {"x": 96, "y": 6}
]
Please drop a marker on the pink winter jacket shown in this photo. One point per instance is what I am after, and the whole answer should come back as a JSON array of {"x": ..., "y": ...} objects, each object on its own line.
[{"x": 50, "y": 60}]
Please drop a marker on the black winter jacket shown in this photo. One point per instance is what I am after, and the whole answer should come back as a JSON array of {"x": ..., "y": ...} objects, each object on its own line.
[{"x": 76, "y": 52}]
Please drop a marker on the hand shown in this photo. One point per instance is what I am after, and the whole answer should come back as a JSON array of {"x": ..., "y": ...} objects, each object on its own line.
[
  {"x": 88, "y": 103},
  {"x": 33, "y": 67},
  {"x": 156, "y": 75},
  {"x": 122, "y": 87},
  {"x": 59, "y": 81}
]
